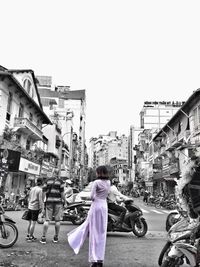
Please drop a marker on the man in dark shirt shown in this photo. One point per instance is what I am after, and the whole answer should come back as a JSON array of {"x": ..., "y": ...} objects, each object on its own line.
[{"x": 53, "y": 195}]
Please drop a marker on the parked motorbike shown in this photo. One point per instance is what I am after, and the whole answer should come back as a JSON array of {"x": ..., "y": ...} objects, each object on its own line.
[
  {"x": 181, "y": 246},
  {"x": 8, "y": 230},
  {"x": 175, "y": 216},
  {"x": 133, "y": 221},
  {"x": 73, "y": 212}
]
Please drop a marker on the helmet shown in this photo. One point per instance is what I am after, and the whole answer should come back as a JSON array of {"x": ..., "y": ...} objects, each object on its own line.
[
  {"x": 68, "y": 181},
  {"x": 115, "y": 181}
]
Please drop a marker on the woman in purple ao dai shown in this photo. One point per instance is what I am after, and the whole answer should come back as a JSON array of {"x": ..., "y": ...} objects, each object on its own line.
[{"x": 95, "y": 224}]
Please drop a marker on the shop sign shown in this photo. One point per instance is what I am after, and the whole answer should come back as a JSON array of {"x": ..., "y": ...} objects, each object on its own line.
[
  {"x": 44, "y": 168},
  {"x": 149, "y": 183},
  {"x": 29, "y": 166},
  {"x": 3, "y": 166}
]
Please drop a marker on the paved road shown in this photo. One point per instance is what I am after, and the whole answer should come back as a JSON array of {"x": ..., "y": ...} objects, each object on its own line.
[{"x": 123, "y": 249}]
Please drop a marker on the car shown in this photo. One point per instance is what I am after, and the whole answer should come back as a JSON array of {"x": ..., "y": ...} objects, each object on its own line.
[{"x": 84, "y": 195}]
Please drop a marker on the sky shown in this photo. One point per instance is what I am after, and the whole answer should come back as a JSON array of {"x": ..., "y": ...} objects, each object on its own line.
[{"x": 122, "y": 52}]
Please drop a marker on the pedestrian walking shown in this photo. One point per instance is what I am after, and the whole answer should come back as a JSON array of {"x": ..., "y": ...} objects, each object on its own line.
[
  {"x": 53, "y": 194},
  {"x": 145, "y": 196},
  {"x": 95, "y": 224},
  {"x": 35, "y": 206}
]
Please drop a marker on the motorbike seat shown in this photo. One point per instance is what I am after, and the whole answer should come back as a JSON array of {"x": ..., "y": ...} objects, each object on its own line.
[
  {"x": 75, "y": 204},
  {"x": 114, "y": 212}
]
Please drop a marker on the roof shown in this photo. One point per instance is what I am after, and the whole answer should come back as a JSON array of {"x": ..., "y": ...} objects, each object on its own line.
[
  {"x": 39, "y": 108},
  {"x": 71, "y": 94},
  {"x": 183, "y": 108},
  {"x": 34, "y": 80}
]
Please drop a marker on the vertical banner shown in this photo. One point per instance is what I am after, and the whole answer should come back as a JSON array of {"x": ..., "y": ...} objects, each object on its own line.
[{"x": 3, "y": 168}]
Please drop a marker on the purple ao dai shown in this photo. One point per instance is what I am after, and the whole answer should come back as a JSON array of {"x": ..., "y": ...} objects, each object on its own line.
[{"x": 95, "y": 224}]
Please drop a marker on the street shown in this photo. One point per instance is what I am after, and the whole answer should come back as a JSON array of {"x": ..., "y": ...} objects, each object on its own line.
[{"x": 123, "y": 249}]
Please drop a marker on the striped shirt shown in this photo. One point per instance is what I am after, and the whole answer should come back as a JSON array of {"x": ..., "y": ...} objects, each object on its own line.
[{"x": 53, "y": 188}]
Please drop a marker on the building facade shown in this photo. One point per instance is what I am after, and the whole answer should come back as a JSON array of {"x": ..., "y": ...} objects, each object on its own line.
[{"x": 22, "y": 121}]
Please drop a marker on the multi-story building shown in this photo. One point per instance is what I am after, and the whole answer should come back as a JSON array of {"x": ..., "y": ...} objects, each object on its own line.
[
  {"x": 110, "y": 150},
  {"x": 96, "y": 157},
  {"x": 120, "y": 170},
  {"x": 175, "y": 143},
  {"x": 68, "y": 109},
  {"x": 155, "y": 114},
  {"x": 132, "y": 143},
  {"x": 170, "y": 148},
  {"x": 21, "y": 127}
]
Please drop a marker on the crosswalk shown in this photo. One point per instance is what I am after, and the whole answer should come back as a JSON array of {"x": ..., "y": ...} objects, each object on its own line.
[{"x": 156, "y": 211}]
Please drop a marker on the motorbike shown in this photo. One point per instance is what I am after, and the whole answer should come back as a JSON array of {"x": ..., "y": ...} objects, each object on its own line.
[
  {"x": 133, "y": 221},
  {"x": 73, "y": 212},
  {"x": 8, "y": 230},
  {"x": 181, "y": 246},
  {"x": 175, "y": 216}
]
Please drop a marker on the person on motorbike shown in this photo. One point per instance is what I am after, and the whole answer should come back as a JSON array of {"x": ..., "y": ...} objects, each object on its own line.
[
  {"x": 68, "y": 191},
  {"x": 115, "y": 196}
]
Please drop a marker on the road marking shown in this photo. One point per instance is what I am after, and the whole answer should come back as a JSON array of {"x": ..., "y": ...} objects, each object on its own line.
[
  {"x": 156, "y": 211},
  {"x": 144, "y": 211},
  {"x": 166, "y": 211}
]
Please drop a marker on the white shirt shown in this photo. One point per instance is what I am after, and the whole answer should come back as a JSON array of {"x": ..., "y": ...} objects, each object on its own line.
[{"x": 115, "y": 195}]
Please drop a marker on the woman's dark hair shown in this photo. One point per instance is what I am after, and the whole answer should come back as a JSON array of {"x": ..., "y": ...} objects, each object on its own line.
[{"x": 102, "y": 172}]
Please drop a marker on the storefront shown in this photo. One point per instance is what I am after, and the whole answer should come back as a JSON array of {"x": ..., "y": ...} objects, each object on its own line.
[{"x": 25, "y": 176}]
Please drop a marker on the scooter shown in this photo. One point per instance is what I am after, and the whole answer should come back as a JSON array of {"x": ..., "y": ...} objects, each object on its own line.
[
  {"x": 181, "y": 246},
  {"x": 175, "y": 216},
  {"x": 133, "y": 221},
  {"x": 73, "y": 212},
  {"x": 8, "y": 230}
]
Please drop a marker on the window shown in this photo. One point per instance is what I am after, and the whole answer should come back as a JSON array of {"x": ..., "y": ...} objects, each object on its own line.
[
  {"x": 196, "y": 113},
  {"x": 28, "y": 144},
  {"x": 21, "y": 110},
  {"x": 61, "y": 103},
  {"x": 8, "y": 114},
  {"x": 28, "y": 86},
  {"x": 31, "y": 117}
]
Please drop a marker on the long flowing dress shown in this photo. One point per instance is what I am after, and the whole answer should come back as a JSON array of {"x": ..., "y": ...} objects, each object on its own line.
[{"x": 95, "y": 224}]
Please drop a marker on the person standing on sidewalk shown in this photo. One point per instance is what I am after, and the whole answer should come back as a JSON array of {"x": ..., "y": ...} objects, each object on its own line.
[
  {"x": 35, "y": 206},
  {"x": 53, "y": 194},
  {"x": 95, "y": 224}
]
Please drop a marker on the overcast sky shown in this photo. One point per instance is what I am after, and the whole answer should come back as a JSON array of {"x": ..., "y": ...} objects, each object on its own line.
[{"x": 121, "y": 52}]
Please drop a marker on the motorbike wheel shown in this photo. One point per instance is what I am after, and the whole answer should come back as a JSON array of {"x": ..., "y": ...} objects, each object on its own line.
[
  {"x": 157, "y": 206},
  {"x": 163, "y": 252},
  {"x": 8, "y": 235},
  {"x": 80, "y": 218},
  {"x": 78, "y": 221},
  {"x": 171, "y": 220},
  {"x": 139, "y": 227}
]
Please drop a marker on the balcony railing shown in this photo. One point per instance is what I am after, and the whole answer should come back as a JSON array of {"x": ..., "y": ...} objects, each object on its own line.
[{"x": 28, "y": 127}]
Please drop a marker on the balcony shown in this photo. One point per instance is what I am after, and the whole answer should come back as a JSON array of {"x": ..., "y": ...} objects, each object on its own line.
[{"x": 26, "y": 126}]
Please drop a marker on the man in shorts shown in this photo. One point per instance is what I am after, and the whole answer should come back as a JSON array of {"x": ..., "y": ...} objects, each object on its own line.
[
  {"x": 53, "y": 192},
  {"x": 35, "y": 206}
]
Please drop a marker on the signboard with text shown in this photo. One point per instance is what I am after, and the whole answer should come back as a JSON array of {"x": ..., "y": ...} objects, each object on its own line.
[{"x": 29, "y": 166}]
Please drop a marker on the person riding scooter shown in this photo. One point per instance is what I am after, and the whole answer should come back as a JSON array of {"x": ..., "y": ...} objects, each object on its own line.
[
  {"x": 68, "y": 191},
  {"x": 114, "y": 196}
]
